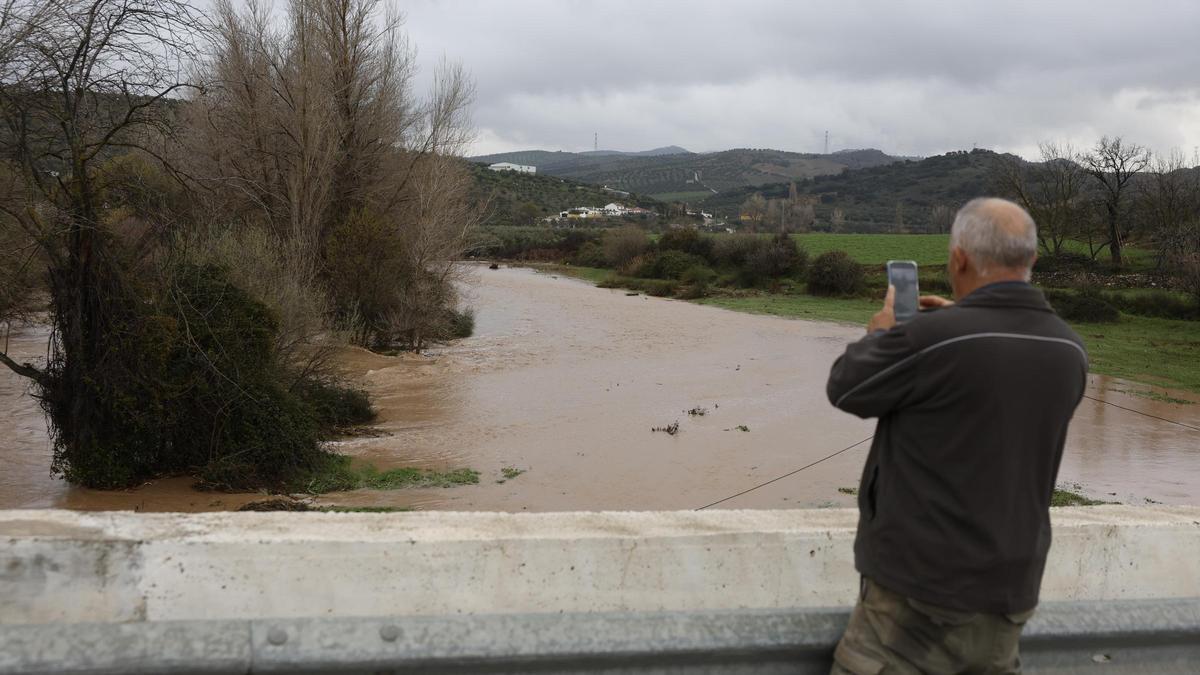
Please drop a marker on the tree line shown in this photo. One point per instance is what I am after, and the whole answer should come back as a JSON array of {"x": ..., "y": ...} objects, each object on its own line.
[
  {"x": 201, "y": 206},
  {"x": 1107, "y": 197}
]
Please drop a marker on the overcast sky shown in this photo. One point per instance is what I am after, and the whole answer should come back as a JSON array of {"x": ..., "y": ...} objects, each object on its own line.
[{"x": 911, "y": 78}]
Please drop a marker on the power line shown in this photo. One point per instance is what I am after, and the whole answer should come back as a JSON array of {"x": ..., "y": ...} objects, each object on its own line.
[
  {"x": 869, "y": 437},
  {"x": 790, "y": 473},
  {"x": 1143, "y": 413}
]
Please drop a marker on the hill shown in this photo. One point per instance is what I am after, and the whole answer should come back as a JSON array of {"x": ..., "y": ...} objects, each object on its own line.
[
  {"x": 899, "y": 196},
  {"x": 513, "y": 198},
  {"x": 669, "y": 175}
]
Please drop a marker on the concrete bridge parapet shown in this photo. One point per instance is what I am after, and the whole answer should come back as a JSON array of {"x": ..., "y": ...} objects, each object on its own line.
[{"x": 235, "y": 573}]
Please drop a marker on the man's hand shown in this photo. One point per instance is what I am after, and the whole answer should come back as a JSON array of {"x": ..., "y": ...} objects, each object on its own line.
[
  {"x": 885, "y": 318},
  {"x": 934, "y": 302}
]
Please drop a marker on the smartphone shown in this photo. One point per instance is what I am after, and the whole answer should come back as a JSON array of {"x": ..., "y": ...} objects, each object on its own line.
[{"x": 903, "y": 275}]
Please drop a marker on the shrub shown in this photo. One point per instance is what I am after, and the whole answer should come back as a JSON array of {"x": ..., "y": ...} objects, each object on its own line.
[
  {"x": 196, "y": 388},
  {"x": 623, "y": 245},
  {"x": 1064, "y": 262},
  {"x": 1085, "y": 306},
  {"x": 590, "y": 255},
  {"x": 734, "y": 249},
  {"x": 698, "y": 274},
  {"x": 335, "y": 405},
  {"x": 1160, "y": 304},
  {"x": 698, "y": 278},
  {"x": 686, "y": 240},
  {"x": 779, "y": 258},
  {"x": 640, "y": 266},
  {"x": 671, "y": 264},
  {"x": 460, "y": 323},
  {"x": 835, "y": 273},
  {"x": 661, "y": 288}
]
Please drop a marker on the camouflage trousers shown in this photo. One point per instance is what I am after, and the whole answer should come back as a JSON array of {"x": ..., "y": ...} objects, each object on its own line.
[{"x": 889, "y": 633}]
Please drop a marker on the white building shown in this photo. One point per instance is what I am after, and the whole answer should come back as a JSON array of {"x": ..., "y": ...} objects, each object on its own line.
[{"x": 509, "y": 166}]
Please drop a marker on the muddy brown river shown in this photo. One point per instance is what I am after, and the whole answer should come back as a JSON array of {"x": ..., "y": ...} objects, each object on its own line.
[{"x": 564, "y": 381}]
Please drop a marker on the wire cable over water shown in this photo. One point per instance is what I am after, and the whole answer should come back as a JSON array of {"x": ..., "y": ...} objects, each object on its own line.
[
  {"x": 790, "y": 473},
  {"x": 851, "y": 447},
  {"x": 1100, "y": 400}
]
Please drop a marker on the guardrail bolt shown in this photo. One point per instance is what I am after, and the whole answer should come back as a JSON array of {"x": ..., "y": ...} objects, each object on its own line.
[
  {"x": 277, "y": 636},
  {"x": 389, "y": 633}
]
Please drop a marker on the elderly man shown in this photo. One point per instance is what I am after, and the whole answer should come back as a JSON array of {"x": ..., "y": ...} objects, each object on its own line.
[{"x": 973, "y": 399}]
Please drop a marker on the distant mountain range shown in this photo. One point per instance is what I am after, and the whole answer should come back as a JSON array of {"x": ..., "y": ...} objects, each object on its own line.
[
  {"x": 869, "y": 190},
  {"x": 882, "y": 198},
  {"x": 673, "y": 173}
]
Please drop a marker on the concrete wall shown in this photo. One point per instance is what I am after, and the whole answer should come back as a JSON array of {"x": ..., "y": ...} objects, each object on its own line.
[{"x": 62, "y": 566}]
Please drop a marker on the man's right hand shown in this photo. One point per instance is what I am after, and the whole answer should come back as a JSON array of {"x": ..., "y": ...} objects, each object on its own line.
[{"x": 934, "y": 302}]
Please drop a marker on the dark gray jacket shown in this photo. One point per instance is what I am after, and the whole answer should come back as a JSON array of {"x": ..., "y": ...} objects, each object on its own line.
[{"x": 973, "y": 404}]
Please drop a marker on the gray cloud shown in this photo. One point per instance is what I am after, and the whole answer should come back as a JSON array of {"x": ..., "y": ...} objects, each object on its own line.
[{"x": 906, "y": 77}]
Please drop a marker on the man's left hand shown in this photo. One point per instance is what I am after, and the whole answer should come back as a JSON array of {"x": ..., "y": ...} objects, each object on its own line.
[{"x": 885, "y": 318}]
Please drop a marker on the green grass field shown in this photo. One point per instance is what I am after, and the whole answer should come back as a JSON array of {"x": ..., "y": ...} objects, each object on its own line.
[
  {"x": 1163, "y": 352},
  {"x": 877, "y": 249},
  {"x": 847, "y": 310}
]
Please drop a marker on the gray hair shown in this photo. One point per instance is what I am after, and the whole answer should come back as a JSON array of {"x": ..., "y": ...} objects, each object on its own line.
[{"x": 996, "y": 232}]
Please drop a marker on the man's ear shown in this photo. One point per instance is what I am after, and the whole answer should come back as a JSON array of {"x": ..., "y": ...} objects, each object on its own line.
[{"x": 958, "y": 260}]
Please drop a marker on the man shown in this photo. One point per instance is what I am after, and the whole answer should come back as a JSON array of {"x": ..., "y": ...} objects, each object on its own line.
[{"x": 973, "y": 399}]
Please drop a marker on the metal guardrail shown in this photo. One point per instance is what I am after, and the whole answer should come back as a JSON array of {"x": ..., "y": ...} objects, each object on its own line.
[{"x": 1158, "y": 636}]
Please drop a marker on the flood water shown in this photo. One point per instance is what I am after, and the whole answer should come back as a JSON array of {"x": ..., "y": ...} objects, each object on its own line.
[{"x": 565, "y": 381}]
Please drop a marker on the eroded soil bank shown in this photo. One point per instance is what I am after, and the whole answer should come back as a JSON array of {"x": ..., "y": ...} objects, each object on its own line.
[{"x": 564, "y": 381}]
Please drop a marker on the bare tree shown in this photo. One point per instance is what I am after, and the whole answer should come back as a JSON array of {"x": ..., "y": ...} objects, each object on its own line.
[
  {"x": 1053, "y": 191},
  {"x": 753, "y": 211},
  {"x": 837, "y": 220},
  {"x": 1168, "y": 206},
  {"x": 1113, "y": 163},
  {"x": 314, "y": 132},
  {"x": 82, "y": 80},
  {"x": 941, "y": 218}
]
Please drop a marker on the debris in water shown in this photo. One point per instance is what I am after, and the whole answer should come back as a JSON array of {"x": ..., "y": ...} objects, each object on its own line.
[
  {"x": 493, "y": 266},
  {"x": 279, "y": 504},
  {"x": 671, "y": 429},
  {"x": 697, "y": 411}
]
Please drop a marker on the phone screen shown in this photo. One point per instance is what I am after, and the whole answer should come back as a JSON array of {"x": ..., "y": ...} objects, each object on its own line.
[{"x": 903, "y": 275}]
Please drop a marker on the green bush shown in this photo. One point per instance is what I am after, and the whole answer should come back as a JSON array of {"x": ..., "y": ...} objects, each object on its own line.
[
  {"x": 196, "y": 388},
  {"x": 1160, "y": 304},
  {"x": 698, "y": 278},
  {"x": 835, "y": 273},
  {"x": 590, "y": 255},
  {"x": 661, "y": 288},
  {"x": 698, "y": 274},
  {"x": 520, "y": 243},
  {"x": 1085, "y": 306},
  {"x": 734, "y": 250},
  {"x": 641, "y": 266},
  {"x": 1064, "y": 263},
  {"x": 622, "y": 245},
  {"x": 460, "y": 323},
  {"x": 671, "y": 264},
  {"x": 686, "y": 240},
  {"x": 779, "y": 258},
  {"x": 335, "y": 406}
]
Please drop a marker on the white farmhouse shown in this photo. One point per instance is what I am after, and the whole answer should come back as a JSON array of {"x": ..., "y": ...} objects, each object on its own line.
[
  {"x": 615, "y": 209},
  {"x": 509, "y": 166}
]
